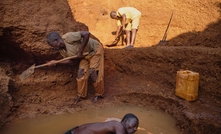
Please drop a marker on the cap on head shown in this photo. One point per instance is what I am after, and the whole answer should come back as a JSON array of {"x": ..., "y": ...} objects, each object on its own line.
[{"x": 52, "y": 36}]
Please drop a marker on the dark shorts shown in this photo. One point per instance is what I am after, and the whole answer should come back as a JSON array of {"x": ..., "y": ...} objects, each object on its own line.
[{"x": 69, "y": 131}]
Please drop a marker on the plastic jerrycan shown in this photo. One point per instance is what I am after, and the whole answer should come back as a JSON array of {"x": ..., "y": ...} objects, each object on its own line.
[{"x": 187, "y": 83}]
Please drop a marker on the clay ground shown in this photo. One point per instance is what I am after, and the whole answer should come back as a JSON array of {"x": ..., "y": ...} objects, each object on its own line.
[{"x": 144, "y": 75}]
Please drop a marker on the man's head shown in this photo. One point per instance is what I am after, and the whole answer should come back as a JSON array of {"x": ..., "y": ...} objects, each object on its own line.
[
  {"x": 130, "y": 122},
  {"x": 113, "y": 15},
  {"x": 55, "y": 40}
]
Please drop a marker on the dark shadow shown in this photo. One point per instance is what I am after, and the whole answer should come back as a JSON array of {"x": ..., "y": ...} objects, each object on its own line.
[
  {"x": 14, "y": 35},
  {"x": 10, "y": 47}
]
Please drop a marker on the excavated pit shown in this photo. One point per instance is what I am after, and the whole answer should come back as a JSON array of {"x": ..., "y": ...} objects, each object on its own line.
[{"x": 144, "y": 76}]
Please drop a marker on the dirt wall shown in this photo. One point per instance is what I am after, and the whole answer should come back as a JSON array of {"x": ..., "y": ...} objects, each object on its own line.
[
  {"x": 189, "y": 17},
  {"x": 148, "y": 70},
  {"x": 6, "y": 102},
  {"x": 25, "y": 30}
]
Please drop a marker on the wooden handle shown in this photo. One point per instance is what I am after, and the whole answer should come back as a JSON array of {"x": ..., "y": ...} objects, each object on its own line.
[
  {"x": 165, "y": 34},
  {"x": 58, "y": 61}
]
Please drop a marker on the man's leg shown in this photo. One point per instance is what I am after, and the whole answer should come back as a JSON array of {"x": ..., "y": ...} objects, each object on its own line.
[
  {"x": 97, "y": 73},
  {"x": 128, "y": 37},
  {"x": 134, "y": 27},
  {"x": 98, "y": 84},
  {"x": 82, "y": 80},
  {"x": 134, "y": 33},
  {"x": 99, "y": 87}
]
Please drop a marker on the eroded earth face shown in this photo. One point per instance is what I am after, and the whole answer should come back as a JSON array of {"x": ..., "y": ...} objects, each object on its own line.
[{"x": 143, "y": 75}]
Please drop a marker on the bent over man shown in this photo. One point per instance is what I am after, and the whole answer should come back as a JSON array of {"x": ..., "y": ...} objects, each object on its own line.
[
  {"x": 128, "y": 18},
  {"x": 128, "y": 125},
  {"x": 92, "y": 65}
]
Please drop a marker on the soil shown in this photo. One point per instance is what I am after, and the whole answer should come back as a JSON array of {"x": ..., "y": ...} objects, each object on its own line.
[{"x": 144, "y": 75}]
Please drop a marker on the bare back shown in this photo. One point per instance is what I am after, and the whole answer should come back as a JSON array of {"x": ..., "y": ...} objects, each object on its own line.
[{"x": 114, "y": 127}]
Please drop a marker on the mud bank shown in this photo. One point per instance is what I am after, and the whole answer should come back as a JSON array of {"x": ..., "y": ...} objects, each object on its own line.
[
  {"x": 129, "y": 80},
  {"x": 145, "y": 75}
]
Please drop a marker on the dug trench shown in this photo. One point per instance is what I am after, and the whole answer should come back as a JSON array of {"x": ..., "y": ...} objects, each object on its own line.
[{"x": 144, "y": 77}]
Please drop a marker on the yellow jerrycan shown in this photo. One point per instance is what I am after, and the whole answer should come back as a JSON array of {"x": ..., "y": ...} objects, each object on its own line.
[{"x": 187, "y": 83}]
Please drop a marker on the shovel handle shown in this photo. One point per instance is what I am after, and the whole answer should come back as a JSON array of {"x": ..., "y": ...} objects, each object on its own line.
[
  {"x": 58, "y": 61},
  {"x": 165, "y": 34}
]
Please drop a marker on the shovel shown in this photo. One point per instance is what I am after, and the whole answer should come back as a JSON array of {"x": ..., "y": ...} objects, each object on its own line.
[
  {"x": 114, "y": 43},
  {"x": 31, "y": 69},
  {"x": 163, "y": 41}
]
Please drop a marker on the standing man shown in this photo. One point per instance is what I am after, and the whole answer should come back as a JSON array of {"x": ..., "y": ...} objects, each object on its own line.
[
  {"x": 75, "y": 43},
  {"x": 128, "y": 18}
]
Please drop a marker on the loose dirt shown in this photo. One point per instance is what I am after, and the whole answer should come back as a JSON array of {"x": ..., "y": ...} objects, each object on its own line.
[{"x": 144, "y": 75}]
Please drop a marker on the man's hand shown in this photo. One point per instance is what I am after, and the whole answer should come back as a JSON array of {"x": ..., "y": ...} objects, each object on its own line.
[
  {"x": 80, "y": 55},
  {"x": 116, "y": 38},
  {"x": 123, "y": 28}
]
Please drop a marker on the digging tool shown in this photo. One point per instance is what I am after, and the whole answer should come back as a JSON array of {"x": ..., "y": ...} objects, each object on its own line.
[
  {"x": 114, "y": 43},
  {"x": 31, "y": 69},
  {"x": 163, "y": 41}
]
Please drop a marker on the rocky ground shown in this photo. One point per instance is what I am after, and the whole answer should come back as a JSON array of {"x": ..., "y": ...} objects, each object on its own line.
[{"x": 144, "y": 75}]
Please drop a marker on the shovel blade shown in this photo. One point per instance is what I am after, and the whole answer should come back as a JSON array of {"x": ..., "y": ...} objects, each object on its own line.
[
  {"x": 111, "y": 45},
  {"x": 27, "y": 72},
  {"x": 163, "y": 42},
  {"x": 114, "y": 43}
]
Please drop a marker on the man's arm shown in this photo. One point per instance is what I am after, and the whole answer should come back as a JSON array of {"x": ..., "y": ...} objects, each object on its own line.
[
  {"x": 123, "y": 21},
  {"x": 85, "y": 35},
  {"x": 118, "y": 32}
]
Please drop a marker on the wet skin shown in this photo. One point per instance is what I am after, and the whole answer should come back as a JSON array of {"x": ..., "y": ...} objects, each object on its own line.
[{"x": 128, "y": 126}]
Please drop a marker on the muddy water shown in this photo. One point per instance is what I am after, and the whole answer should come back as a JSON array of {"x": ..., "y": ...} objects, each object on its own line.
[{"x": 152, "y": 121}]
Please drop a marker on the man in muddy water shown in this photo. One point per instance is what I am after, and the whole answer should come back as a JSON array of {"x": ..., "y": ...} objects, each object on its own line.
[
  {"x": 92, "y": 65},
  {"x": 128, "y": 19},
  {"x": 128, "y": 125}
]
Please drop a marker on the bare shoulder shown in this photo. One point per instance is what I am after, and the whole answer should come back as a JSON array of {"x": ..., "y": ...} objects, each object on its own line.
[
  {"x": 116, "y": 125},
  {"x": 113, "y": 122},
  {"x": 113, "y": 125},
  {"x": 113, "y": 119}
]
